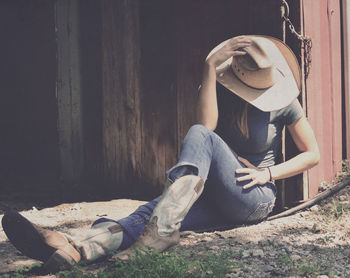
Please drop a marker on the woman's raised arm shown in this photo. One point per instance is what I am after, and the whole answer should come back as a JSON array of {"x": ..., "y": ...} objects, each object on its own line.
[{"x": 207, "y": 107}]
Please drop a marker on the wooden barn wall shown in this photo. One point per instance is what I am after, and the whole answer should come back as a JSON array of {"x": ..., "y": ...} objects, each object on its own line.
[
  {"x": 140, "y": 66},
  {"x": 28, "y": 108},
  {"x": 91, "y": 86},
  {"x": 152, "y": 58},
  {"x": 139, "y": 101},
  {"x": 121, "y": 126},
  {"x": 323, "y": 87},
  {"x": 158, "y": 91}
]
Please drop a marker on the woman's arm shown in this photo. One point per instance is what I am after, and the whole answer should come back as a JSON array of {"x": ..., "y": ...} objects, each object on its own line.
[
  {"x": 304, "y": 139},
  {"x": 207, "y": 107}
]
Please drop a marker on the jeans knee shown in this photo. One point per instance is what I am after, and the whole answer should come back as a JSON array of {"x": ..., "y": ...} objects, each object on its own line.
[{"x": 199, "y": 133}]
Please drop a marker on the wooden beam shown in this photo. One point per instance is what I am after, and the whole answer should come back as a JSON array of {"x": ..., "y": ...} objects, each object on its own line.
[
  {"x": 68, "y": 90},
  {"x": 346, "y": 55}
]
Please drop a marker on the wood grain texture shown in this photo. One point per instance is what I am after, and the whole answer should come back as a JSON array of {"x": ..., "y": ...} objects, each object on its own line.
[
  {"x": 323, "y": 87},
  {"x": 152, "y": 58},
  {"x": 158, "y": 96},
  {"x": 91, "y": 86},
  {"x": 68, "y": 89},
  {"x": 121, "y": 94}
]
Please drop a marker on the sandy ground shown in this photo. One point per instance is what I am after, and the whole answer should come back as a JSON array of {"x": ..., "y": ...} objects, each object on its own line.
[{"x": 311, "y": 243}]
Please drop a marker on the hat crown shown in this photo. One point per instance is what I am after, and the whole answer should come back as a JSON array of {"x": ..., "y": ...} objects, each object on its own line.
[{"x": 257, "y": 69}]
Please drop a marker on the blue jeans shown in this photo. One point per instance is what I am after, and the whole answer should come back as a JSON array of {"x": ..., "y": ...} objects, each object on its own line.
[{"x": 223, "y": 202}]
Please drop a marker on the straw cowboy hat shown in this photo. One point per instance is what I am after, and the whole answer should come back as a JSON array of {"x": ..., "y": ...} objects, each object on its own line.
[{"x": 268, "y": 76}]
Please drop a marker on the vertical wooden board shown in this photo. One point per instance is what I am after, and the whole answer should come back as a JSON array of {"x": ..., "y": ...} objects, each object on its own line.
[
  {"x": 28, "y": 108},
  {"x": 318, "y": 87},
  {"x": 198, "y": 30},
  {"x": 262, "y": 18},
  {"x": 68, "y": 89},
  {"x": 121, "y": 91},
  {"x": 323, "y": 88},
  {"x": 158, "y": 99},
  {"x": 334, "y": 19},
  {"x": 91, "y": 86},
  {"x": 346, "y": 75}
]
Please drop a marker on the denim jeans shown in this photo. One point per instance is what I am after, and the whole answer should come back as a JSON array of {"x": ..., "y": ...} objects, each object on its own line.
[{"x": 223, "y": 202}]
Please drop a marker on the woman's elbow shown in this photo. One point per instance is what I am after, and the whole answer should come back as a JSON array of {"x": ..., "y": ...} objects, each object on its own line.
[
  {"x": 209, "y": 125},
  {"x": 315, "y": 158},
  {"x": 209, "y": 122}
]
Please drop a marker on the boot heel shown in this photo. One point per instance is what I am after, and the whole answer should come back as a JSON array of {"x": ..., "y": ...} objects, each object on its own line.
[{"x": 59, "y": 261}]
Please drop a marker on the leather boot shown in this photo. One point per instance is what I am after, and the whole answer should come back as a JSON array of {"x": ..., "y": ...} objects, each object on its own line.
[
  {"x": 60, "y": 251},
  {"x": 101, "y": 239},
  {"x": 162, "y": 231},
  {"x": 44, "y": 245}
]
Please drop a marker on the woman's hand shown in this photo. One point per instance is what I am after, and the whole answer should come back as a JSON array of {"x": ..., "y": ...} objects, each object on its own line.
[
  {"x": 256, "y": 175},
  {"x": 231, "y": 48}
]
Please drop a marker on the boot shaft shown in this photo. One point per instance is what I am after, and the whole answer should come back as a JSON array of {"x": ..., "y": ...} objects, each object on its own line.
[{"x": 176, "y": 202}]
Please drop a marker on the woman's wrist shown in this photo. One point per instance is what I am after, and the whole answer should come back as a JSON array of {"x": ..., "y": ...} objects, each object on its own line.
[
  {"x": 210, "y": 64},
  {"x": 270, "y": 174},
  {"x": 209, "y": 74}
]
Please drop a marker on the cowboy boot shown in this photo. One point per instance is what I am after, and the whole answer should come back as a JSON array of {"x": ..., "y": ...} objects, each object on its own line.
[
  {"x": 162, "y": 231},
  {"x": 101, "y": 239},
  {"x": 60, "y": 251}
]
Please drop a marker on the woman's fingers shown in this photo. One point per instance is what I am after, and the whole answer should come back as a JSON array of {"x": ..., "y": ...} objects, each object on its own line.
[
  {"x": 234, "y": 47},
  {"x": 245, "y": 170},
  {"x": 239, "y": 45},
  {"x": 237, "y": 53},
  {"x": 251, "y": 184},
  {"x": 245, "y": 178}
]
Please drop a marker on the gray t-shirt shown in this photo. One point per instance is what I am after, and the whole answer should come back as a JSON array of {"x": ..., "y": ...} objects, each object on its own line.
[{"x": 263, "y": 147}]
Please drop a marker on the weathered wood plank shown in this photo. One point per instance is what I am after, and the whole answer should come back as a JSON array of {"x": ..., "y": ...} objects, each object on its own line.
[
  {"x": 68, "y": 90},
  {"x": 346, "y": 74},
  {"x": 334, "y": 18},
  {"x": 91, "y": 85},
  {"x": 323, "y": 87},
  {"x": 158, "y": 106},
  {"x": 121, "y": 93}
]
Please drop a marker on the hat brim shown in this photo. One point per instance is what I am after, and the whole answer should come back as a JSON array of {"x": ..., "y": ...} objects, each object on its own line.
[{"x": 280, "y": 95}]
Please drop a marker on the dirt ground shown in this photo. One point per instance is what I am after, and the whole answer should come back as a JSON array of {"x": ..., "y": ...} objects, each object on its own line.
[{"x": 311, "y": 243}]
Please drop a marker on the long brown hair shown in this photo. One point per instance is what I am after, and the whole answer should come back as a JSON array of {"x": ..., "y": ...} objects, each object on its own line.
[{"x": 233, "y": 110}]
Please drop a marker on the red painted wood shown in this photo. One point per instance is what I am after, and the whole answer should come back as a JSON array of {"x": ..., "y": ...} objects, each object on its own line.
[
  {"x": 335, "y": 52},
  {"x": 323, "y": 87}
]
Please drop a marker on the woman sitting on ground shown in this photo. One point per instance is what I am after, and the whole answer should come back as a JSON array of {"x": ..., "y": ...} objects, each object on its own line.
[{"x": 224, "y": 177}]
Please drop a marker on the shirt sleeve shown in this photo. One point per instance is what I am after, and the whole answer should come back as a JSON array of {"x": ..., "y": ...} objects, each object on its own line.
[{"x": 292, "y": 112}]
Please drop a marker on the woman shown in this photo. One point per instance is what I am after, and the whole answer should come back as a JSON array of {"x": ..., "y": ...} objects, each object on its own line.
[{"x": 258, "y": 80}]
